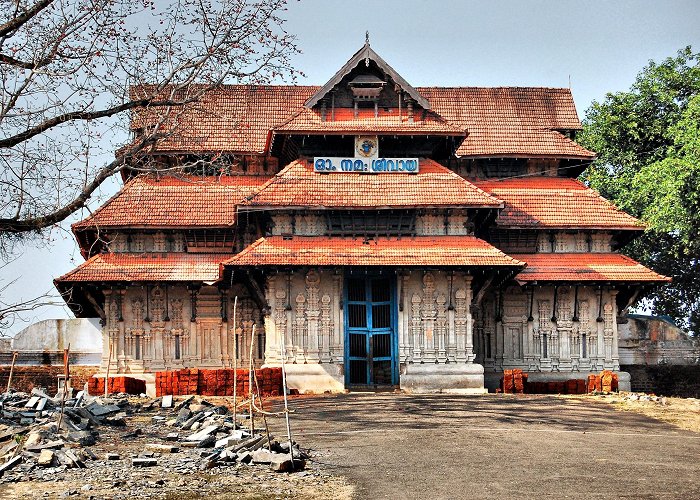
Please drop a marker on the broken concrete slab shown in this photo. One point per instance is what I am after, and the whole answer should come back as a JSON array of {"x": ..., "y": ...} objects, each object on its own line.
[
  {"x": 46, "y": 458},
  {"x": 10, "y": 464},
  {"x": 173, "y": 436},
  {"x": 263, "y": 456},
  {"x": 161, "y": 448},
  {"x": 204, "y": 433},
  {"x": 100, "y": 410},
  {"x": 32, "y": 402},
  {"x": 84, "y": 438},
  {"x": 144, "y": 462},
  {"x": 282, "y": 463}
]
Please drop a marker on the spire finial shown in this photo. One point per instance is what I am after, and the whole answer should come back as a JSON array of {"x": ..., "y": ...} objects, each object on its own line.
[{"x": 367, "y": 37}]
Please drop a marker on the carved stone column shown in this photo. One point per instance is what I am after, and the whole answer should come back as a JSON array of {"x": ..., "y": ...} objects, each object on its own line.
[
  {"x": 121, "y": 341},
  {"x": 313, "y": 313},
  {"x": 338, "y": 346},
  {"x": 615, "y": 350}
]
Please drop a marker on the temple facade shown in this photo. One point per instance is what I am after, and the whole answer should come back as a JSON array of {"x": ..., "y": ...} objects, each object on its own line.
[{"x": 366, "y": 233}]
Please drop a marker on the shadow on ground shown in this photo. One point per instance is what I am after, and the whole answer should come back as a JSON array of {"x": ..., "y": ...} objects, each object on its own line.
[{"x": 496, "y": 446}]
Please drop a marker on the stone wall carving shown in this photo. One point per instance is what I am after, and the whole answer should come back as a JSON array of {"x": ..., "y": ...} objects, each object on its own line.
[{"x": 565, "y": 340}]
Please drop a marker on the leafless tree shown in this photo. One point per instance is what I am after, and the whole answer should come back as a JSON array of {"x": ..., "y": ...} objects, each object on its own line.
[{"x": 66, "y": 70}]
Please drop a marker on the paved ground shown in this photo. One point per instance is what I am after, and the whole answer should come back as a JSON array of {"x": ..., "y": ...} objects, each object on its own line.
[{"x": 495, "y": 446}]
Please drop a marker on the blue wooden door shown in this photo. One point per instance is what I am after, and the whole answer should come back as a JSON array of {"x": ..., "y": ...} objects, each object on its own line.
[{"x": 370, "y": 332}]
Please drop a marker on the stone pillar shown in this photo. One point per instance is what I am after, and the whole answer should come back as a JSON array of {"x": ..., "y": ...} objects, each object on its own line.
[
  {"x": 121, "y": 340},
  {"x": 312, "y": 316},
  {"x": 615, "y": 350},
  {"x": 469, "y": 345}
]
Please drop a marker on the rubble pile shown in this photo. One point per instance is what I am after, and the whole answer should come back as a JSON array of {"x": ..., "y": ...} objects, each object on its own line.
[
  {"x": 38, "y": 438},
  {"x": 217, "y": 382}
]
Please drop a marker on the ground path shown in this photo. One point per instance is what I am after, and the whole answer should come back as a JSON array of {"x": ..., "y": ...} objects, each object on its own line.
[{"x": 496, "y": 446}]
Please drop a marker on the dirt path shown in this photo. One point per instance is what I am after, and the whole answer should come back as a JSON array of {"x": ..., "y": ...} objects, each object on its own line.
[{"x": 495, "y": 446}]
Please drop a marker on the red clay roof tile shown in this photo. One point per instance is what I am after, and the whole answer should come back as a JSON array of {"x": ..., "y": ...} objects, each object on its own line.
[
  {"x": 598, "y": 267},
  {"x": 123, "y": 267},
  {"x": 184, "y": 201},
  {"x": 555, "y": 202},
  {"x": 297, "y": 185},
  {"x": 308, "y": 121},
  {"x": 510, "y": 120},
  {"x": 498, "y": 120},
  {"x": 336, "y": 251}
]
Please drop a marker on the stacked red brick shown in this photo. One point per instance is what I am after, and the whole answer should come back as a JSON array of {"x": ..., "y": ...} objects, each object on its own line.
[
  {"x": 217, "y": 382},
  {"x": 513, "y": 381},
  {"x": 607, "y": 381},
  {"x": 125, "y": 385},
  {"x": 516, "y": 382}
]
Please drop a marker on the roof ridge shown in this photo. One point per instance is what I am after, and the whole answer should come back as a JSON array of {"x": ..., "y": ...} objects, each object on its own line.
[{"x": 243, "y": 252}]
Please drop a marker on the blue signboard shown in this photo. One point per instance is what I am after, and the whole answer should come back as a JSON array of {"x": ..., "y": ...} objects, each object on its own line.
[{"x": 328, "y": 164}]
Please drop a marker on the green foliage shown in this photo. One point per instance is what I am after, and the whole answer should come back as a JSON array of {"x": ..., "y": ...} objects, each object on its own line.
[{"x": 648, "y": 144}]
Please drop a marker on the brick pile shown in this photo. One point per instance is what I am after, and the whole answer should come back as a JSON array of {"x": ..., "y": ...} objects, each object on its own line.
[
  {"x": 606, "y": 381},
  {"x": 124, "y": 385},
  {"x": 513, "y": 381},
  {"x": 216, "y": 382},
  {"x": 516, "y": 382}
]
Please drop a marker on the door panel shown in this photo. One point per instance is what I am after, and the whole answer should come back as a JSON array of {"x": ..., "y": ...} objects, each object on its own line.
[{"x": 370, "y": 331}]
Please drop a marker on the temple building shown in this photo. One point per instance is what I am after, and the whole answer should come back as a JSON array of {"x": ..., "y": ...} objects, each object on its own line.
[{"x": 372, "y": 234}]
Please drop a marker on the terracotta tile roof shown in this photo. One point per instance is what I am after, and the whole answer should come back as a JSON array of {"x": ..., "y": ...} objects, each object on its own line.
[
  {"x": 297, "y": 185},
  {"x": 336, "y": 251},
  {"x": 308, "y": 121},
  {"x": 174, "y": 202},
  {"x": 498, "y": 120},
  {"x": 510, "y": 120},
  {"x": 555, "y": 202},
  {"x": 600, "y": 267},
  {"x": 123, "y": 267},
  {"x": 233, "y": 118}
]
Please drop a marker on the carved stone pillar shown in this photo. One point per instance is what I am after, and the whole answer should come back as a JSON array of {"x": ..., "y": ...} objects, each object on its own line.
[
  {"x": 463, "y": 329},
  {"x": 121, "y": 341},
  {"x": 429, "y": 316},
  {"x": 615, "y": 351},
  {"x": 338, "y": 346},
  {"x": 313, "y": 313}
]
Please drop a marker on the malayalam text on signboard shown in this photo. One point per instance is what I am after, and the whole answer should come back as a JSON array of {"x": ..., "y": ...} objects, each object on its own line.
[{"x": 328, "y": 164}]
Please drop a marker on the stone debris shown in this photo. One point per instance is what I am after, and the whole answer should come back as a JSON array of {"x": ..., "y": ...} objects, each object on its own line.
[{"x": 34, "y": 445}]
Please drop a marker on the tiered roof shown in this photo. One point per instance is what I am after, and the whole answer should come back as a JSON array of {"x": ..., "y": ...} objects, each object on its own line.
[
  {"x": 510, "y": 121},
  {"x": 555, "y": 202},
  {"x": 584, "y": 267},
  {"x": 417, "y": 251},
  {"x": 498, "y": 121},
  {"x": 148, "y": 267},
  {"x": 169, "y": 201},
  {"x": 297, "y": 185}
]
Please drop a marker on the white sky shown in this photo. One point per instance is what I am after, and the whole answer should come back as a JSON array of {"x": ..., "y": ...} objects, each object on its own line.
[{"x": 597, "y": 46}]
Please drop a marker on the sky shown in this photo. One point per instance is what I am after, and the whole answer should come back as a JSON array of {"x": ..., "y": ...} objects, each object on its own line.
[{"x": 593, "y": 47}]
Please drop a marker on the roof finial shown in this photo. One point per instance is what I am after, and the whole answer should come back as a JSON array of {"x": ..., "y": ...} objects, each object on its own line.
[{"x": 367, "y": 48}]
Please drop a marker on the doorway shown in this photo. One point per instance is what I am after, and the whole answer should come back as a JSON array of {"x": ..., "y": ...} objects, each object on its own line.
[{"x": 370, "y": 332}]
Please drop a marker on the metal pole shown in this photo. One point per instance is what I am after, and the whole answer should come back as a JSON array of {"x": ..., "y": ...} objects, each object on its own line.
[
  {"x": 109, "y": 362},
  {"x": 66, "y": 375},
  {"x": 12, "y": 369},
  {"x": 286, "y": 408},
  {"x": 235, "y": 360},
  {"x": 251, "y": 394}
]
